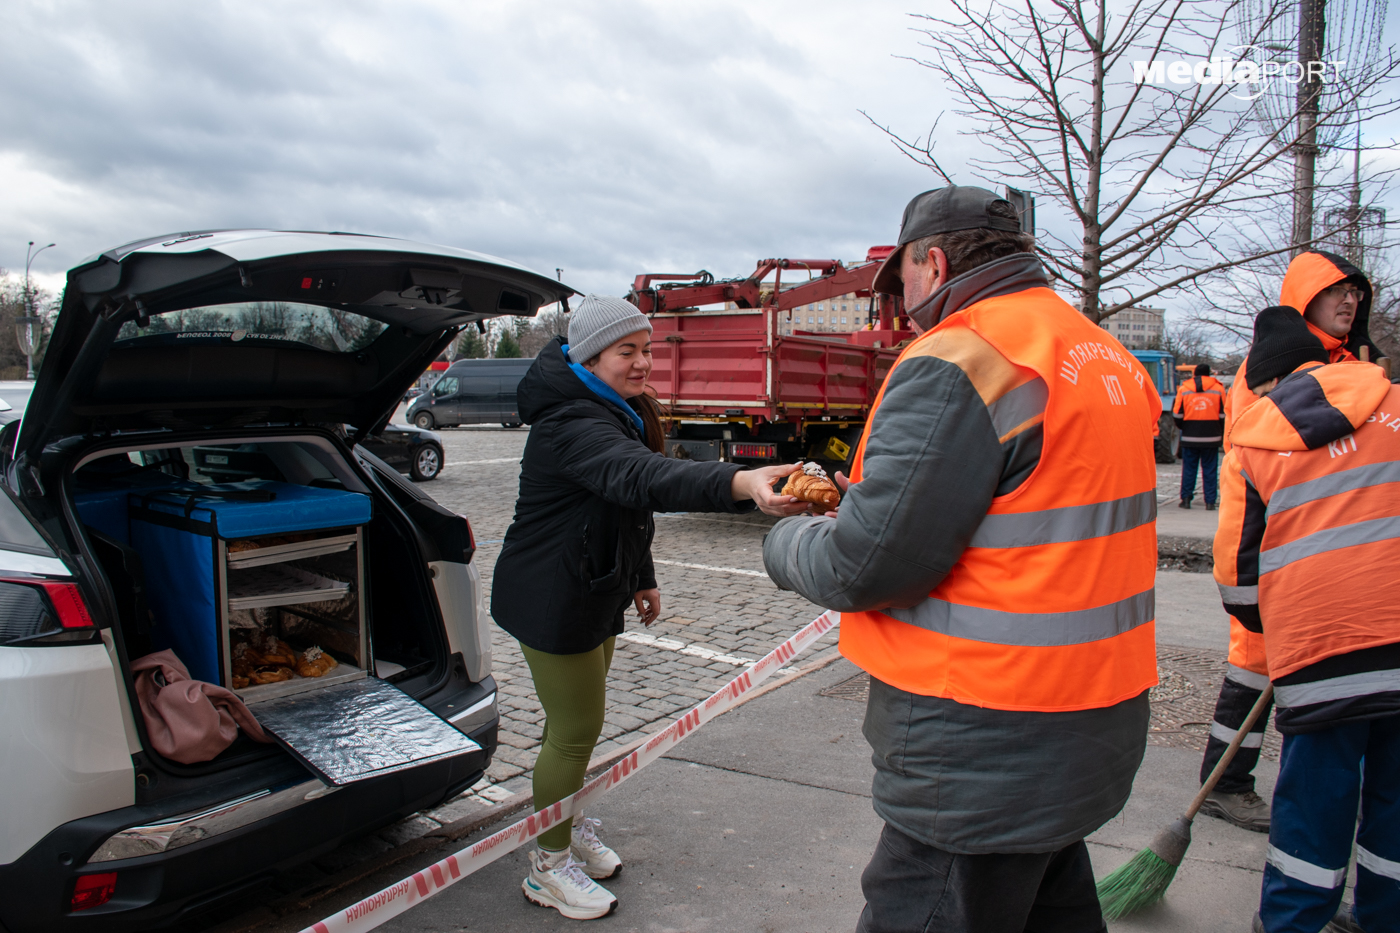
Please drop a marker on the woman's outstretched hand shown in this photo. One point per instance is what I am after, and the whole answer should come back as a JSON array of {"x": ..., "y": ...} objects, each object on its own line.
[
  {"x": 648, "y": 605},
  {"x": 758, "y": 486}
]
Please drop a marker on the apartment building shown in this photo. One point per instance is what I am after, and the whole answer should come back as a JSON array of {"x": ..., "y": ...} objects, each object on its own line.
[
  {"x": 838, "y": 315},
  {"x": 1137, "y": 328}
]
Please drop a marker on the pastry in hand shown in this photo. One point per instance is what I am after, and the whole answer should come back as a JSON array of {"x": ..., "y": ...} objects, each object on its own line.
[
  {"x": 811, "y": 485},
  {"x": 269, "y": 674},
  {"x": 314, "y": 662}
]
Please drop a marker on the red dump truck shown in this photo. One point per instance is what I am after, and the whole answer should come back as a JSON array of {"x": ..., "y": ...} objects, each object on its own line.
[{"x": 741, "y": 382}]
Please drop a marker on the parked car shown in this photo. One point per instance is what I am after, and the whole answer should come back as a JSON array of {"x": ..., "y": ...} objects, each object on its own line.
[
  {"x": 408, "y": 449},
  {"x": 472, "y": 392},
  {"x": 412, "y": 394},
  {"x": 202, "y": 431}
]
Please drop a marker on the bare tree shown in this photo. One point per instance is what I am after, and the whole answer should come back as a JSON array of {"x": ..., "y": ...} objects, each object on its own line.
[
  {"x": 1150, "y": 174},
  {"x": 545, "y": 327},
  {"x": 1229, "y": 300}
]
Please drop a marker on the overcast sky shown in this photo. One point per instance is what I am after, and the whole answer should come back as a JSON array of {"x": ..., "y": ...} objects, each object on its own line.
[{"x": 606, "y": 138}]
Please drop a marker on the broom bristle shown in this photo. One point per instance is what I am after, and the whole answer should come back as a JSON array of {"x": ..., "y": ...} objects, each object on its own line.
[{"x": 1139, "y": 883}]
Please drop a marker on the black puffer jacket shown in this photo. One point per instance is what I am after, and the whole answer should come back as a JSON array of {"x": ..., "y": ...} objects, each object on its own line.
[{"x": 580, "y": 545}]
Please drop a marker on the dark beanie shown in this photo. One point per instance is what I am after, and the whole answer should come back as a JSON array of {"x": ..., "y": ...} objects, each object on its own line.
[
  {"x": 1202, "y": 369},
  {"x": 1282, "y": 343}
]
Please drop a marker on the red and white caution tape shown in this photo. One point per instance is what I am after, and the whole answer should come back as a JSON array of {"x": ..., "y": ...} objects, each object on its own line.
[{"x": 421, "y": 885}]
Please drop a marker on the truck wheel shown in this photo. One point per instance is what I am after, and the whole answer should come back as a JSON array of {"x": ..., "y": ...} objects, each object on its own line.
[
  {"x": 1162, "y": 443},
  {"x": 424, "y": 420}
]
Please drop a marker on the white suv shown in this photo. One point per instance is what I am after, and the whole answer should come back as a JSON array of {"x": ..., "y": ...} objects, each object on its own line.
[{"x": 177, "y": 363}]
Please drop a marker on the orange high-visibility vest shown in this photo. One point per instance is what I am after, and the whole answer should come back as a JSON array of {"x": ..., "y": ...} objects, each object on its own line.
[
  {"x": 1333, "y": 517},
  {"x": 1051, "y": 605}
]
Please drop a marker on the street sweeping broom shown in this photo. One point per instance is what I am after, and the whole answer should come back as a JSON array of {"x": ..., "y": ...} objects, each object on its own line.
[{"x": 1143, "y": 880}]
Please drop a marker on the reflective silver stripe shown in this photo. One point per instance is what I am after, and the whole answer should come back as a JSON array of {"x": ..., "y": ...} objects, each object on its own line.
[
  {"x": 1018, "y": 406},
  {"x": 1201, "y": 440},
  {"x": 1246, "y": 678},
  {"x": 1376, "y": 864},
  {"x": 1030, "y": 629},
  {"x": 1337, "y": 688},
  {"x": 1306, "y": 872},
  {"x": 1372, "y": 474},
  {"x": 1227, "y": 735},
  {"x": 1239, "y": 595},
  {"x": 1071, "y": 523},
  {"x": 1329, "y": 539}
]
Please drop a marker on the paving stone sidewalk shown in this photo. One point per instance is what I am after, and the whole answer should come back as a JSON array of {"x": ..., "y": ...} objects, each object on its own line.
[{"x": 713, "y": 621}]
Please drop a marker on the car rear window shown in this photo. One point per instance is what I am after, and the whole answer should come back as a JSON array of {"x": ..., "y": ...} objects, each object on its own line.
[{"x": 258, "y": 322}]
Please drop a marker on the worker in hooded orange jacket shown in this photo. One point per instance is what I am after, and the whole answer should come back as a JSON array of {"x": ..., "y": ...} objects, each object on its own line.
[
  {"x": 1309, "y": 537},
  {"x": 1335, "y": 300}
]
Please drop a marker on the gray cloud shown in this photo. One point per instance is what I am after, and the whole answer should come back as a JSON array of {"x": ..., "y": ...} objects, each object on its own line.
[{"x": 606, "y": 138}]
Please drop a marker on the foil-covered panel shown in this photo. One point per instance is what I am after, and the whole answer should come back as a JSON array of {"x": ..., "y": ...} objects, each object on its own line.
[{"x": 352, "y": 731}]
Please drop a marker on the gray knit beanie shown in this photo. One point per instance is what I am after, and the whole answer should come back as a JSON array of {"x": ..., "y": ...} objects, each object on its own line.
[{"x": 598, "y": 321}]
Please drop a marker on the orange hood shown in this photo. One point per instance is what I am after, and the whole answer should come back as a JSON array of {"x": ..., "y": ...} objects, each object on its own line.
[
  {"x": 1311, "y": 272},
  {"x": 1313, "y": 406}
]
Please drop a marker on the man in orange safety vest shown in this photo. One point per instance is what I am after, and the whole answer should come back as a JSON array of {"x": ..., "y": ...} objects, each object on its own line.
[{"x": 993, "y": 561}]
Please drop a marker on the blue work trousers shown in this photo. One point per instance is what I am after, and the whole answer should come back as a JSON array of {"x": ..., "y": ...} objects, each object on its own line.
[
  {"x": 1322, "y": 778},
  {"x": 1209, "y": 460}
]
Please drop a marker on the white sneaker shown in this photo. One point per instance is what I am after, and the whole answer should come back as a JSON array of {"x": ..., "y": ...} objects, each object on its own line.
[
  {"x": 566, "y": 888},
  {"x": 598, "y": 860}
]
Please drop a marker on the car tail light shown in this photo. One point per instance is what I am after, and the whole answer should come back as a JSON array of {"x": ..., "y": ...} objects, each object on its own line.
[
  {"x": 69, "y": 603},
  {"x": 26, "y": 615},
  {"x": 469, "y": 551},
  {"x": 93, "y": 890},
  {"x": 756, "y": 451}
]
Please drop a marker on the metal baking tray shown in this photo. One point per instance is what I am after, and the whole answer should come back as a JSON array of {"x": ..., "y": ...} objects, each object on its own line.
[
  {"x": 354, "y": 731},
  {"x": 279, "y": 553},
  {"x": 341, "y": 673},
  {"x": 280, "y": 585}
]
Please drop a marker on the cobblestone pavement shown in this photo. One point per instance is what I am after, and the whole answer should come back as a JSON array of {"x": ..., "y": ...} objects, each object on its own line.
[{"x": 719, "y": 609}]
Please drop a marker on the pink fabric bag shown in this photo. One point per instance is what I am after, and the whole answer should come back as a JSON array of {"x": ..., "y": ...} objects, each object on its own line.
[{"x": 188, "y": 720}]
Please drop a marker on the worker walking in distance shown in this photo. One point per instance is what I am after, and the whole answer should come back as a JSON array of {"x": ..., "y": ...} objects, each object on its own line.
[
  {"x": 993, "y": 561},
  {"x": 1199, "y": 414},
  {"x": 1336, "y": 300},
  {"x": 1309, "y": 539}
]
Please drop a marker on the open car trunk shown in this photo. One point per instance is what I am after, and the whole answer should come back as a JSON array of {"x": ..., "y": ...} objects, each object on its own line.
[
  {"x": 257, "y": 562},
  {"x": 188, "y": 440}
]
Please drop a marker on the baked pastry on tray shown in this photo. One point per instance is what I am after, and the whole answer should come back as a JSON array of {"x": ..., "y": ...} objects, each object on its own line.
[
  {"x": 811, "y": 485},
  {"x": 314, "y": 662}
]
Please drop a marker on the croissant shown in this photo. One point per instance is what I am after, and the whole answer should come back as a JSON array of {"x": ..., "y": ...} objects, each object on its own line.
[
  {"x": 314, "y": 662},
  {"x": 272, "y": 650},
  {"x": 815, "y": 489},
  {"x": 269, "y": 674}
]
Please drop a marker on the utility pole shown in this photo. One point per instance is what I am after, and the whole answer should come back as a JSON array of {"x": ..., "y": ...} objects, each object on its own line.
[
  {"x": 1311, "y": 32},
  {"x": 24, "y": 327}
]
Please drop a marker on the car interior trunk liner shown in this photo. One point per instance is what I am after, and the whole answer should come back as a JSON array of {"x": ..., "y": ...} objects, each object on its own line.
[{"x": 353, "y": 731}]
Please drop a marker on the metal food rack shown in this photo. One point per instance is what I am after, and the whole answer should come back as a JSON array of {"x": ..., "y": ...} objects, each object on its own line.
[{"x": 263, "y": 578}]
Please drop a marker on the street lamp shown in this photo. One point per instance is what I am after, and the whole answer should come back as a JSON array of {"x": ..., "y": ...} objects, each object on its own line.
[{"x": 24, "y": 327}]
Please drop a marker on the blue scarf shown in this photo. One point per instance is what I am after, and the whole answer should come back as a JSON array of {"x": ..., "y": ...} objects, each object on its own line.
[{"x": 604, "y": 391}]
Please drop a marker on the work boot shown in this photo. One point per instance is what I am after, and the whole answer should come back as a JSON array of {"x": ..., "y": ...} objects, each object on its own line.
[
  {"x": 1185, "y": 504},
  {"x": 1247, "y": 810},
  {"x": 1257, "y": 926},
  {"x": 1343, "y": 922},
  {"x": 556, "y": 879},
  {"x": 598, "y": 860},
  {"x": 1210, "y": 506}
]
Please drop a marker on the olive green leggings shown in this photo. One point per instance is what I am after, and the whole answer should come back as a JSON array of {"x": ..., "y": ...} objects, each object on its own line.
[{"x": 573, "y": 691}]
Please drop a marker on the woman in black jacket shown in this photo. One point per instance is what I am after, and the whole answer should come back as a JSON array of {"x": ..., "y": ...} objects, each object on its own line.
[{"x": 579, "y": 553}]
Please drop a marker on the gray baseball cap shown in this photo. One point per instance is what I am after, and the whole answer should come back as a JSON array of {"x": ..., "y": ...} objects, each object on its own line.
[{"x": 942, "y": 210}]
